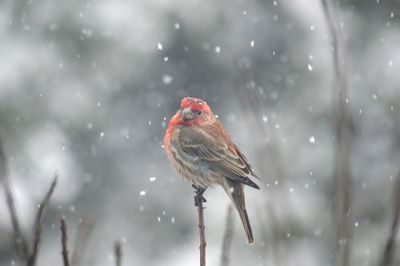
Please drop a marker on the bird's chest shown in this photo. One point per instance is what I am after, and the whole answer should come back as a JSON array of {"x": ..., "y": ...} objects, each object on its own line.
[
  {"x": 190, "y": 166},
  {"x": 187, "y": 163}
]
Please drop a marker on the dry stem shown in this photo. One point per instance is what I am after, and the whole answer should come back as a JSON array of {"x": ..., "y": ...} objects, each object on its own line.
[
  {"x": 38, "y": 224},
  {"x": 64, "y": 239},
  {"x": 390, "y": 247},
  {"x": 118, "y": 253},
  {"x": 198, "y": 200},
  {"x": 21, "y": 245}
]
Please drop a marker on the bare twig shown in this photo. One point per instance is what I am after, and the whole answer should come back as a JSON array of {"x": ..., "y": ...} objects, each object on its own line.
[
  {"x": 38, "y": 224},
  {"x": 64, "y": 239},
  {"x": 85, "y": 227},
  {"x": 344, "y": 135},
  {"x": 228, "y": 236},
  {"x": 202, "y": 235},
  {"x": 390, "y": 247},
  {"x": 198, "y": 201},
  {"x": 118, "y": 253},
  {"x": 21, "y": 245}
]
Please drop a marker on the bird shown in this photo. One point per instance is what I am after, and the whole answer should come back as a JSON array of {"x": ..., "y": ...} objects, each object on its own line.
[{"x": 202, "y": 152}]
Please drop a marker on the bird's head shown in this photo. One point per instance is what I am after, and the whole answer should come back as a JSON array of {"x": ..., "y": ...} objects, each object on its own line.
[{"x": 193, "y": 111}]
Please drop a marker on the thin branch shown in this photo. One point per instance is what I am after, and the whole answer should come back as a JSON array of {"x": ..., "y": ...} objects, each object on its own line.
[
  {"x": 85, "y": 228},
  {"x": 198, "y": 202},
  {"x": 38, "y": 223},
  {"x": 64, "y": 239},
  {"x": 228, "y": 236},
  {"x": 390, "y": 247},
  {"x": 21, "y": 245},
  {"x": 344, "y": 135},
  {"x": 118, "y": 253},
  {"x": 202, "y": 235}
]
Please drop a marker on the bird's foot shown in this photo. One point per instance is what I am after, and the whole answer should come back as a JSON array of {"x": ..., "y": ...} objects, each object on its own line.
[{"x": 198, "y": 197}]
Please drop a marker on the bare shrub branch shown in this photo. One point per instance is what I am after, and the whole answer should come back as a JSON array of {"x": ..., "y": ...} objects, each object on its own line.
[
  {"x": 64, "y": 240},
  {"x": 198, "y": 202},
  {"x": 38, "y": 223},
  {"x": 203, "y": 244},
  {"x": 21, "y": 245},
  {"x": 390, "y": 246},
  {"x": 118, "y": 253}
]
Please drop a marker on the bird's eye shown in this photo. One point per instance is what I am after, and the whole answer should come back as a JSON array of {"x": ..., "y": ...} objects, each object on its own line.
[{"x": 197, "y": 113}]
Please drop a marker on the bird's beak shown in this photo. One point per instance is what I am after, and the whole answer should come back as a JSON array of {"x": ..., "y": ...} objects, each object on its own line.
[{"x": 187, "y": 114}]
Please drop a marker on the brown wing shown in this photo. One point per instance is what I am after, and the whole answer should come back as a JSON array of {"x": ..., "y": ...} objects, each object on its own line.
[{"x": 214, "y": 149}]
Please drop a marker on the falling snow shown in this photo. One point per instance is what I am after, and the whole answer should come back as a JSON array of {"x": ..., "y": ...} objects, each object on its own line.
[
  {"x": 167, "y": 79},
  {"x": 121, "y": 68}
]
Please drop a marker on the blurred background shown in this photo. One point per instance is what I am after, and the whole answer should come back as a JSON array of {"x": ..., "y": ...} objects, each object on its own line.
[{"x": 88, "y": 87}]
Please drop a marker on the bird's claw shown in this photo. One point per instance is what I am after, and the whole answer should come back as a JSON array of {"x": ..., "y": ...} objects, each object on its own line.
[
  {"x": 198, "y": 197},
  {"x": 198, "y": 200}
]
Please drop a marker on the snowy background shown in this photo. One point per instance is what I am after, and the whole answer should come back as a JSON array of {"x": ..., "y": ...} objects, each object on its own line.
[{"x": 87, "y": 88}]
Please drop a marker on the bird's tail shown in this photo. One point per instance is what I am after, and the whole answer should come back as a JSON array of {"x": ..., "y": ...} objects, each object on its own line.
[{"x": 236, "y": 194}]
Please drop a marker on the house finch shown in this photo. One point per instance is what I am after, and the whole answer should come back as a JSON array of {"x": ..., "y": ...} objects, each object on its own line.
[{"x": 201, "y": 151}]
